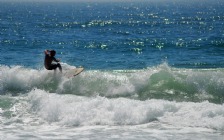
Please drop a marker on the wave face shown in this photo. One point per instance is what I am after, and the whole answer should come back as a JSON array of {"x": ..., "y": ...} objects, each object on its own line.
[{"x": 160, "y": 82}]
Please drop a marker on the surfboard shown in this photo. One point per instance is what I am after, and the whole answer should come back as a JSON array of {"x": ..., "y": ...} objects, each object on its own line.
[{"x": 73, "y": 72}]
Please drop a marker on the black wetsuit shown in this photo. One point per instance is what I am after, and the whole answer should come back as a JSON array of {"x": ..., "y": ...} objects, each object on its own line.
[{"x": 49, "y": 65}]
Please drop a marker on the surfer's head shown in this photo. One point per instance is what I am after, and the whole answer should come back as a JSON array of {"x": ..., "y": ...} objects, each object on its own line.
[{"x": 52, "y": 52}]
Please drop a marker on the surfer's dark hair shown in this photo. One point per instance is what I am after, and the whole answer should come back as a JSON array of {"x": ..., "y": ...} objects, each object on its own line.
[{"x": 53, "y": 52}]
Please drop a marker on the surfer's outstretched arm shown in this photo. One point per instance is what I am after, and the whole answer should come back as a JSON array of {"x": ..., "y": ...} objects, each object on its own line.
[{"x": 46, "y": 52}]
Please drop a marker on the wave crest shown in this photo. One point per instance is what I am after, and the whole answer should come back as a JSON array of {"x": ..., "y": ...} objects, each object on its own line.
[{"x": 160, "y": 82}]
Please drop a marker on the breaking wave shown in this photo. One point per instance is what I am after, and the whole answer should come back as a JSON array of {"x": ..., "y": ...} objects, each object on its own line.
[{"x": 160, "y": 82}]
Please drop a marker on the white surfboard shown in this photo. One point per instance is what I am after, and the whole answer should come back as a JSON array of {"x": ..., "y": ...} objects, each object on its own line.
[{"x": 73, "y": 72}]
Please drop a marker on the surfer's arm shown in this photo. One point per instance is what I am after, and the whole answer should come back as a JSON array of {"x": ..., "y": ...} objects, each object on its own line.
[
  {"x": 46, "y": 52},
  {"x": 56, "y": 60}
]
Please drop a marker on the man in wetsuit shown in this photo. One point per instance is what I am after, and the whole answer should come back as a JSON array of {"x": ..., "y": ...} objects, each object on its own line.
[{"x": 49, "y": 58}]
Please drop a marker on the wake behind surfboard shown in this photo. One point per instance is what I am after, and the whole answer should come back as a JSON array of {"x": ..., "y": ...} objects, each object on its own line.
[{"x": 73, "y": 72}]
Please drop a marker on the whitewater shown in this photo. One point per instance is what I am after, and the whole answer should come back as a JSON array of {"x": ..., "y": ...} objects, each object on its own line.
[{"x": 118, "y": 104}]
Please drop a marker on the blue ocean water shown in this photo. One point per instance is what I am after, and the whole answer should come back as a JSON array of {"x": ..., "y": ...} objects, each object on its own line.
[
  {"x": 153, "y": 69},
  {"x": 114, "y": 35}
]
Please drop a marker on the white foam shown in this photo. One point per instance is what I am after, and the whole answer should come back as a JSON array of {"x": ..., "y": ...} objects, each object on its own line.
[
  {"x": 106, "y": 83},
  {"x": 17, "y": 79},
  {"x": 21, "y": 79},
  {"x": 186, "y": 84},
  {"x": 73, "y": 110},
  {"x": 205, "y": 114}
]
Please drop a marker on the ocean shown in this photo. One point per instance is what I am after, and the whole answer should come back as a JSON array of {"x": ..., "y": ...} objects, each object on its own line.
[{"x": 153, "y": 70}]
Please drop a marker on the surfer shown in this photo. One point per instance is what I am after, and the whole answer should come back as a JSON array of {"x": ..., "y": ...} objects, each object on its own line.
[{"x": 49, "y": 58}]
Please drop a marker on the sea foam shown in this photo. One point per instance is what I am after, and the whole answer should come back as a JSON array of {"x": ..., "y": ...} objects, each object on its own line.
[
  {"x": 159, "y": 82},
  {"x": 72, "y": 110}
]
